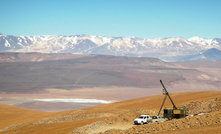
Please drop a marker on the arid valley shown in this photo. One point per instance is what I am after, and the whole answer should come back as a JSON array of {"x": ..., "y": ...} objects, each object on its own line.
[
  {"x": 110, "y": 67},
  {"x": 67, "y": 93}
]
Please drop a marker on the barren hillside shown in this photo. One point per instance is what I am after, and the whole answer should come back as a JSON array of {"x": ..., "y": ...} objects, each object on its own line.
[
  {"x": 36, "y": 75},
  {"x": 116, "y": 116},
  {"x": 36, "y": 72}
]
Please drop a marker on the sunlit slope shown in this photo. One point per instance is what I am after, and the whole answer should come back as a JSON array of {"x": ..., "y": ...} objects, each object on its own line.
[
  {"x": 13, "y": 115},
  {"x": 154, "y": 102}
]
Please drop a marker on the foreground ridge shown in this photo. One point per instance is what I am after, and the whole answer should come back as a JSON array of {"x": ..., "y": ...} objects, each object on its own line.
[{"x": 201, "y": 113}]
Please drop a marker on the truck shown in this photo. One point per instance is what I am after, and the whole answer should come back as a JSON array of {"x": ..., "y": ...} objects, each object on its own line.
[
  {"x": 157, "y": 119},
  {"x": 142, "y": 119}
]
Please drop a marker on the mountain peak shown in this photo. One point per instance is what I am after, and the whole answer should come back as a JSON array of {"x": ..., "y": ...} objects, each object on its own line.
[
  {"x": 213, "y": 54},
  {"x": 195, "y": 38},
  {"x": 200, "y": 40},
  {"x": 213, "y": 51},
  {"x": 106, "y": 45}
]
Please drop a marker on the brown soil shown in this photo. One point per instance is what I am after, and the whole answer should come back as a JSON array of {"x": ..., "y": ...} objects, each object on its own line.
[{"x": 116, "y": 116}]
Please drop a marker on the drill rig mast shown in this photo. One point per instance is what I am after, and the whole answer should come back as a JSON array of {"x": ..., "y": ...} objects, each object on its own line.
[{"x": 171, "y": 112}]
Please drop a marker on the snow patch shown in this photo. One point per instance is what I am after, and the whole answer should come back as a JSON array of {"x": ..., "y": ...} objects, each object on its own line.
[
  {"x": 201, "y": 41},
  {"x": 7, "y": 44}
]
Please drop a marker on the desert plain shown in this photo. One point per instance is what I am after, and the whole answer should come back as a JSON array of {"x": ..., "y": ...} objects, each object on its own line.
[{"x": 116, "y": 90}]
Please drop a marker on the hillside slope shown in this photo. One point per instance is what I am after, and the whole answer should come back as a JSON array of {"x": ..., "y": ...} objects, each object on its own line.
[{"x": 117, "y": 115}]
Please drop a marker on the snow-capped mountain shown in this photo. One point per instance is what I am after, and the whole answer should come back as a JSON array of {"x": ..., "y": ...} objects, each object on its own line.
[
  {"x": 206, "y": 42},
  {"x": 120, "y": 46}
]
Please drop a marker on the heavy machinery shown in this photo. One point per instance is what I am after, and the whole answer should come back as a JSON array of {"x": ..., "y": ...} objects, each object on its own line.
[{"x": 174, "y": 112}]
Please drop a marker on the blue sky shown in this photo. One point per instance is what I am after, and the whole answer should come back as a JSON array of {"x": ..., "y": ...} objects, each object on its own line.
[{"x": 139, "y": 18}]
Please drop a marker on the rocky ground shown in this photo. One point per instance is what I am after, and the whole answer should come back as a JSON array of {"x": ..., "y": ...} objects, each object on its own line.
[
  {"x": 200, "y": 113},
  {"x": 204, "y": 112}
]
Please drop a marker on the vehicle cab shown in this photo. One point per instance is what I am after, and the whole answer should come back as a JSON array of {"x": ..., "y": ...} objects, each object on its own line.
[
  {"x": 142, "y": 119},
  {"x": 158, "y": 119}
]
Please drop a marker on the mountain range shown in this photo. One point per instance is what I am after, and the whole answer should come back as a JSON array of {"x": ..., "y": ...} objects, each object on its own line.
[{"x": 167, "y": 49}]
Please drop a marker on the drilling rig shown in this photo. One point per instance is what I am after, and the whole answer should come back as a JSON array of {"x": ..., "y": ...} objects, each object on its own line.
[{"x": 173, "y": 112}]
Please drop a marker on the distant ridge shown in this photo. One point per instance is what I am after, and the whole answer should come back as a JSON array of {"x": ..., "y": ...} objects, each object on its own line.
[
  {"x": 163, "y": 48},
  {"x": 212, "y": 54}
]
